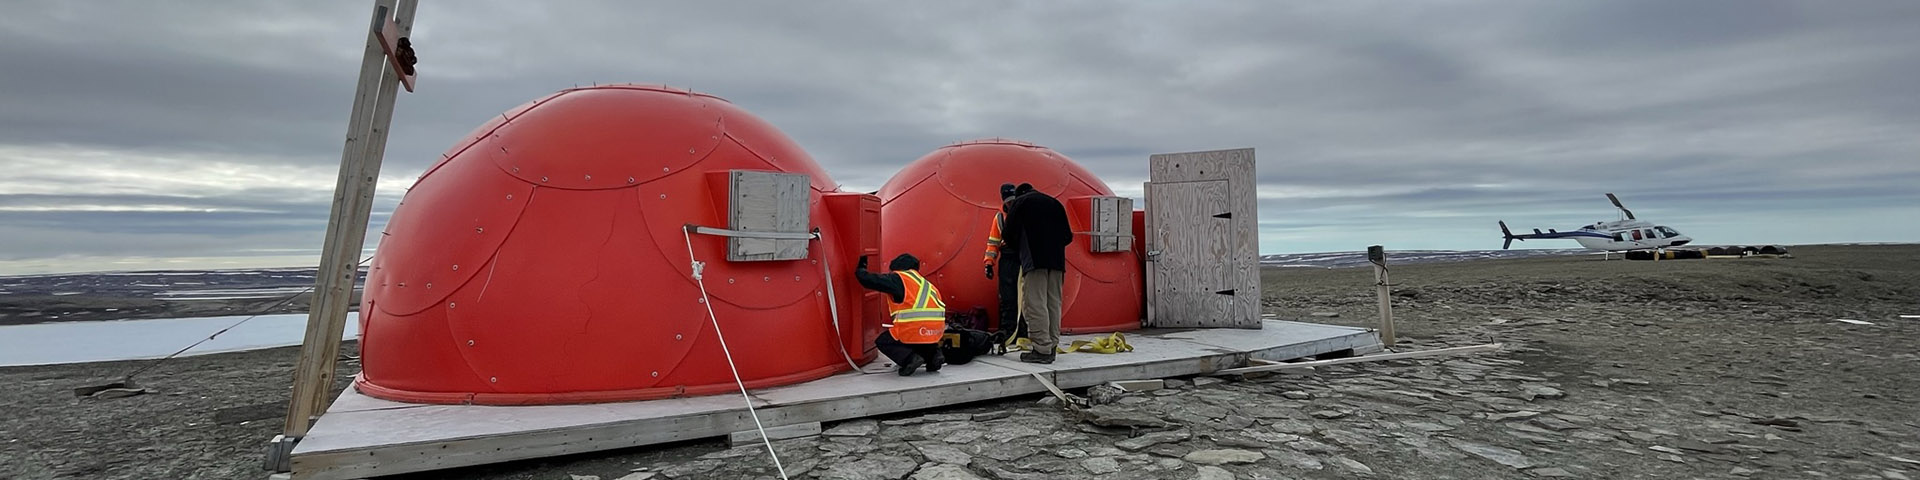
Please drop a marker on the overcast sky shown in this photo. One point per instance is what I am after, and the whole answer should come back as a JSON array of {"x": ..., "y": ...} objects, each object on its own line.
[{"x": 207, "y": 134}]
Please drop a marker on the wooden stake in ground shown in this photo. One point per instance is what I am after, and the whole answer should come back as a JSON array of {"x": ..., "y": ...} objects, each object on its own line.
[
  {"x": 1378, "y": 255},
  {"x": 352, "y": 204}
]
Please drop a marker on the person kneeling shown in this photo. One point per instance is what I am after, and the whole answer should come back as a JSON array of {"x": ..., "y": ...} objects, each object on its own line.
[{"x": 919, "y": 317}]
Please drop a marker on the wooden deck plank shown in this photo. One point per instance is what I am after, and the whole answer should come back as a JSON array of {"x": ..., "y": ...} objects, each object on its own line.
[
  {"x": 363, "y": 437},
  {"x": 1307, "y": 339}
]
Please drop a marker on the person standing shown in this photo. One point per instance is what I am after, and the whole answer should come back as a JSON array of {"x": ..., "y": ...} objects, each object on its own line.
[
  {"x": 1037, "y": 228},
  {"x": 1008, "y": 262},
  {"x": 919, "y": 317}
]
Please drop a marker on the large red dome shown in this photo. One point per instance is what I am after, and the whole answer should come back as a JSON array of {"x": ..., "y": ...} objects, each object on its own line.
[
  {"x": 939, "y": 209},
  {"x": 542, "y": 260}
]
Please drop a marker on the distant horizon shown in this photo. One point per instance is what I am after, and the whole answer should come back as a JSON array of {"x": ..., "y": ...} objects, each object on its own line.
[{"x": 12, "y": 268}]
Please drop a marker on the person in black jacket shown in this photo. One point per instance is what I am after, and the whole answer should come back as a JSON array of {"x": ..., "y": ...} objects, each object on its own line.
[
  {"x": 909, "y": 356},
  {"x": 1037, "y": 228}
]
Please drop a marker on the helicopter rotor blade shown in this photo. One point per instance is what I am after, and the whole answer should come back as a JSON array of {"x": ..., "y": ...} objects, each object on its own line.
[{"x": 1623, "y": 208}]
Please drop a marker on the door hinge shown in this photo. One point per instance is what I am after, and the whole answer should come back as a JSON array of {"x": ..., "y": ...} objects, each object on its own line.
[
  {"x": 1224, "y": 292},
  {"x": 1153, "y": 255},
  {"x": 1223, "y": 215}
]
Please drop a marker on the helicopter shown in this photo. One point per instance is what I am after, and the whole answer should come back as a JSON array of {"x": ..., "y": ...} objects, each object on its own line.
[{"x": 1625, "y": 234}]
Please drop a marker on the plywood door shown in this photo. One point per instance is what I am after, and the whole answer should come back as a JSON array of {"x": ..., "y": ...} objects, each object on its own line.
[{"x": 1190, "y": 243}]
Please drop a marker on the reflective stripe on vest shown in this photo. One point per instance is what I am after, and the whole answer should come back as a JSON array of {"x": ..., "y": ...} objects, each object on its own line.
[
  {"x": 994, "y": 242},
  {"x": 926, "y": 304},
  {"x": 993, "y": 232},
  {"x": 924, "y": 319}
]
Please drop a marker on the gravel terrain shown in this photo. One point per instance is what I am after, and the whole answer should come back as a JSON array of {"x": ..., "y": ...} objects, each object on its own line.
[{"x": 1674, "y": 369}]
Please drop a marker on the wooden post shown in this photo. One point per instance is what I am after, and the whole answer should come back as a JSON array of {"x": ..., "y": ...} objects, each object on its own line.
[
  {"x": 347, "y": 226},
  {"x": 1378, "y": 255}
]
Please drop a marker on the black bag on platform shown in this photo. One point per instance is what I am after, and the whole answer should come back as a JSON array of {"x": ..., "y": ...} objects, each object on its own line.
[{"x": 960, "y": 345}]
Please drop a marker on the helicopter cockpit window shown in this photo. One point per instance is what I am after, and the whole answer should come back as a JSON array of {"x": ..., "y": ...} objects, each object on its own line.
[{"x": 1667, "y": 231}]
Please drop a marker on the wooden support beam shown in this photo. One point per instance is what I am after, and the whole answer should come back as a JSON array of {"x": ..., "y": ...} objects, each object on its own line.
[
  {"x": 1064, "y": 399},
  {"x": 1378, "y": 256},
  {"x": 1139, "y": 385},
  {"x": 1370, "y": 358},
  {"x": 347, "y": 225}
]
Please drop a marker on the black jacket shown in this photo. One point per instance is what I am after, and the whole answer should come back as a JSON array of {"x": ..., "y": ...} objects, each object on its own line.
[
  {"x": 1037, "y": 227},
  {"x": 887, "y": 283}
]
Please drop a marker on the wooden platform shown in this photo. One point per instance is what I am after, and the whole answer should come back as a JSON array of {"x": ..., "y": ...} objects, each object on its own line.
[{"x": 364, "y": 437}]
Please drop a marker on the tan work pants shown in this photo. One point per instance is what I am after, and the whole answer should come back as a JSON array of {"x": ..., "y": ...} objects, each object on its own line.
[{"x": 1040, "y": 304}]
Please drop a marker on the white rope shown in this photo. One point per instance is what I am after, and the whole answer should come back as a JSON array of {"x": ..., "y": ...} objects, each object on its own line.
[
  {"x": 833, "y": 306},
  {"x": 698, "y": 267},
  {"x": 833, "y": 303}
]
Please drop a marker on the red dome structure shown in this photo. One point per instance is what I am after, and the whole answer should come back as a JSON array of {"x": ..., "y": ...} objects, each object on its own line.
[
  {"x": 939, "y": 209},
  {"x": 543, "y": 260}
]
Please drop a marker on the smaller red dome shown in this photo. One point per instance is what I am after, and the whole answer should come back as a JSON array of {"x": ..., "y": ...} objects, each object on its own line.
[{"x": 939, "y": 208}]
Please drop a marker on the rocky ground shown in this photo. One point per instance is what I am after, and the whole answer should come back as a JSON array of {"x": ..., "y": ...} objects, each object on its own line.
[{"x": 1678, "y": 369}]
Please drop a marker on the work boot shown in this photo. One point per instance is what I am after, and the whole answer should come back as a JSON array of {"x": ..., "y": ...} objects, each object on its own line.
[
  {"x": 913, "y": 363},
  {"x": 1036, "y": 357},
  {"x": 939, "y": 360}
]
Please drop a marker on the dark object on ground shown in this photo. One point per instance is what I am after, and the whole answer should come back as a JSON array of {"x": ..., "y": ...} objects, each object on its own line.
[
  {"x": 960, "y": 345},
  {"x": 1666, "y": 255},
  {"x": 125, "y": 383}
]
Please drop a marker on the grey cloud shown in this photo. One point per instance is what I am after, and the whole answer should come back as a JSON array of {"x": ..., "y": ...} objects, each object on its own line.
[{"x": 1383, "y": 119}]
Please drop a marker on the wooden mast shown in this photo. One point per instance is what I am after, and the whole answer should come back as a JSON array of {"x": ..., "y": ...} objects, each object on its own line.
[{"x": 380, "y": 77}]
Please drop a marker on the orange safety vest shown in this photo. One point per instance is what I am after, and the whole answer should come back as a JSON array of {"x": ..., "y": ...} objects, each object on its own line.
[
  {"x": 993, "y": 238},
  {"x": 919, "y": 317}
]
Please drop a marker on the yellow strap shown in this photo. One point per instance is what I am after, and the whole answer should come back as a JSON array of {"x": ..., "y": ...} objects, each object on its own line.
[{"x": 1115, "y": 343}]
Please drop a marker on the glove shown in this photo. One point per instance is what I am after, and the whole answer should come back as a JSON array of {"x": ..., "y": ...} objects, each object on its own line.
[
  {"x": 989, "y": 272},
  {"x": 863, "y": 263}
]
